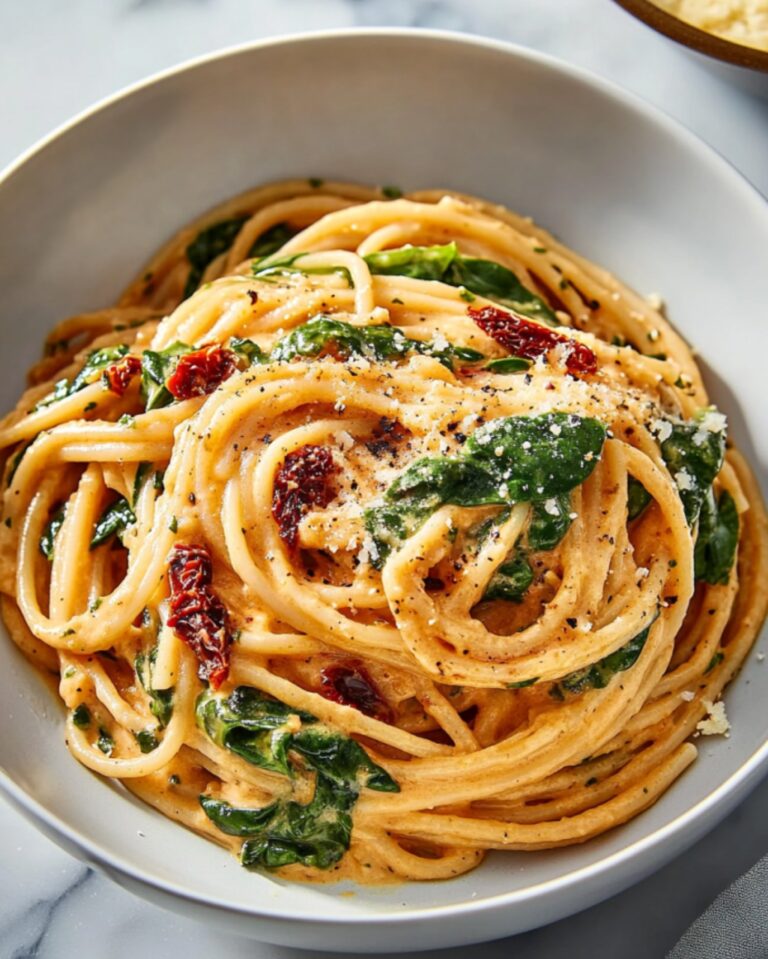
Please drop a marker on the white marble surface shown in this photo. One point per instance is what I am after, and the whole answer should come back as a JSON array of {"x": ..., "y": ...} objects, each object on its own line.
[{"x": 56, "y": 58}]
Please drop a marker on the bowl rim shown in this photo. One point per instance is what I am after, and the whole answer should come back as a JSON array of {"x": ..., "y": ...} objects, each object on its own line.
[
  {"x": 683, "y": 824},
  {"x": 688, "y": 35}
]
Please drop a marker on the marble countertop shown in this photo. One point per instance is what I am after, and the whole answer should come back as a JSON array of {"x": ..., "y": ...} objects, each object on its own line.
[{"x": 58, "y": 58}]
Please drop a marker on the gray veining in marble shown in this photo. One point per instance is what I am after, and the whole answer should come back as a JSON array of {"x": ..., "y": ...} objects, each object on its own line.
[{"x": 56, "y": 58}]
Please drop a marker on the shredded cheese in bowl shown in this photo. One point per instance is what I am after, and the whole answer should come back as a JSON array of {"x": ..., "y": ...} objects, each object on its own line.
[{"x": 740, "y": 21}]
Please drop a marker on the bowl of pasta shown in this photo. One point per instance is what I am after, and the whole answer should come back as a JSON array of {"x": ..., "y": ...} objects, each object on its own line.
[{"x": 376, "y": 559}]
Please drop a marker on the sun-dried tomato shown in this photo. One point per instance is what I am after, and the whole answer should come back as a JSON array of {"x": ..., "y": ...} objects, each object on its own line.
[
  {"x": 198, "y": 616},
  {"x": 201, "y": 372},
  {"x": 119, "y": 375},
  {"x": 303, "y": 481},
  {"x": 530, "y": 340},
  {"x": 351, "y": 685}
]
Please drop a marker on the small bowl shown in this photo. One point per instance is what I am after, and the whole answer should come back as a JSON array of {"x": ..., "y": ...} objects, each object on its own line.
[
  {"x": 616, "y": 179},
  {"x": 745, "y": 66}
]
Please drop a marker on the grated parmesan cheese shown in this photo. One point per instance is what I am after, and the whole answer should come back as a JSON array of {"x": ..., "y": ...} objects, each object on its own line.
[{"x": 715, "y": 723}]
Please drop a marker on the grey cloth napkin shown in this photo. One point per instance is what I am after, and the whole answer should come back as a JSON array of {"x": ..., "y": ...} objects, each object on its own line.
[{"x": 735, "y": 926}]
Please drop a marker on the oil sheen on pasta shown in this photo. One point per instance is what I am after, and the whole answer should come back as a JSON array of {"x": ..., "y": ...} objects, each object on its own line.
[{"x": 368, "y": 533}]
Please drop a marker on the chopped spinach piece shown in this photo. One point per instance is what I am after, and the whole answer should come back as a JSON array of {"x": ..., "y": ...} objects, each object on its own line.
[
  {"x": 325, "y": 336},
  {"x": 694, "y": 456},
  {"x": 482, "y": 277},
  {"x": 95, "y": 364},
  {"x": 52, "y": 527},
  {"x": 717, "y": 539},
  {"x": 511, "y": 580},
  {"x": 207, "y": 245},
  {"x": 275, "y": 266},
  {"x": 156, "y": 368},
  {"x": 147, "y": 740},
  {"x": 81, "y": 716},
  {"x": 105, "y": 742},
  {"x": 142, "y": 471},
  {"x": 115, "y": 519},
  {"x": 508, "y": 364},
  {"x": 717, "y": 658},
  {"x": 638, "y": 498},
  {"x": 247, "y": 350},
  {"x": 161, "y": 700},
  {"x": 392, "y": 192},
  {"x": 523, "y": 683},
  {"x": 272, "y": 240},
  {"x": 599, "y": 674},
  {"x": 550, "y": 521}
]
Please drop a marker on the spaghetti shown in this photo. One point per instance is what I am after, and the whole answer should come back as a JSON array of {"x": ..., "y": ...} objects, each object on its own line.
[{"x": 369, "y": 533}]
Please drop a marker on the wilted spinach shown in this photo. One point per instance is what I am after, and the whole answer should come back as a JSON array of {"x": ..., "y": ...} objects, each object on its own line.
[
  {"x": 95, "y": 364},
  {"x": 599, "y": 674},
  {"x": 482, "y": 277},
  {"x": 156, "y": 368},
  {"x": 509, "y": 460},
  {"x": 257, "y": 728},
  {"x": 114, "y": 521},
  {"x": 52, "y": 527}
]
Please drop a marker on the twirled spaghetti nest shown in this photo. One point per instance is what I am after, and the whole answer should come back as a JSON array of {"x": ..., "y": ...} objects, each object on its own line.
[{"x": 388, "y": 546}]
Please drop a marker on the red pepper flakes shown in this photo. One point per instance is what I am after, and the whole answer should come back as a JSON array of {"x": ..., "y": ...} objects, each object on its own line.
[
  {"x": 201, "y": 372},
  {"x": 198, "y": 616},
  {"x": 527, "y": 339},
  {"x": 119, "y": 375},
  {"x": 351, "y": 685},
  {"x": 303, "y": 481}
]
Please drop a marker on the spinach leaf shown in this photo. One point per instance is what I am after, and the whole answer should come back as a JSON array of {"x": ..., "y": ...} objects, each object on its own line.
[
  {"x": 81, "y": 716},
  {"x": 599, "y": 674},
  {"x": 508, "y": 364},
  {"x": 418, "y": 262},
  {"x": 537, "y": 457},
  {"x": 718, "y": 538},
  {"x": 257, "y": 728},
  {"x": 207, "y": 245},
  {"x": 115, "y": 519},
  {"x": 52, "y": 527},
  {"x": 234, "y": 821},
  {"x": 323, "y": 335},
  {"x": 432, "y": 481},
  {"x": 275, "y": 266},
  {"x": 390, "y": 526},
  {"x": 142, "y": 471},
  {"x": 147, "y": 740},
  {"x": 285, "y": 832},
  {"x": 96, "y": 362},
  {"x": 550, "y": 521},
  {"x": 508, "y": 460},
  {"x": 156, "y": 368},
  {"x": 105, "y": 742},
  {"x": 272, "y": 240},
  {"x": 694, "y": 456},
  {"x": 511, "y": 580},
  {"x": 497, "y": 283},
  {"x": 446, "y": 264},
  {"x": 638, "y": 498},
  {"x": 248, "y": 350},
  {"x": 161, "y": 700}
]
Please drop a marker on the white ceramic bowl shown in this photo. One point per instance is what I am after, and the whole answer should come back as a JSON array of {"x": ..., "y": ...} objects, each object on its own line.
[{"x": 613, "y": 178}]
